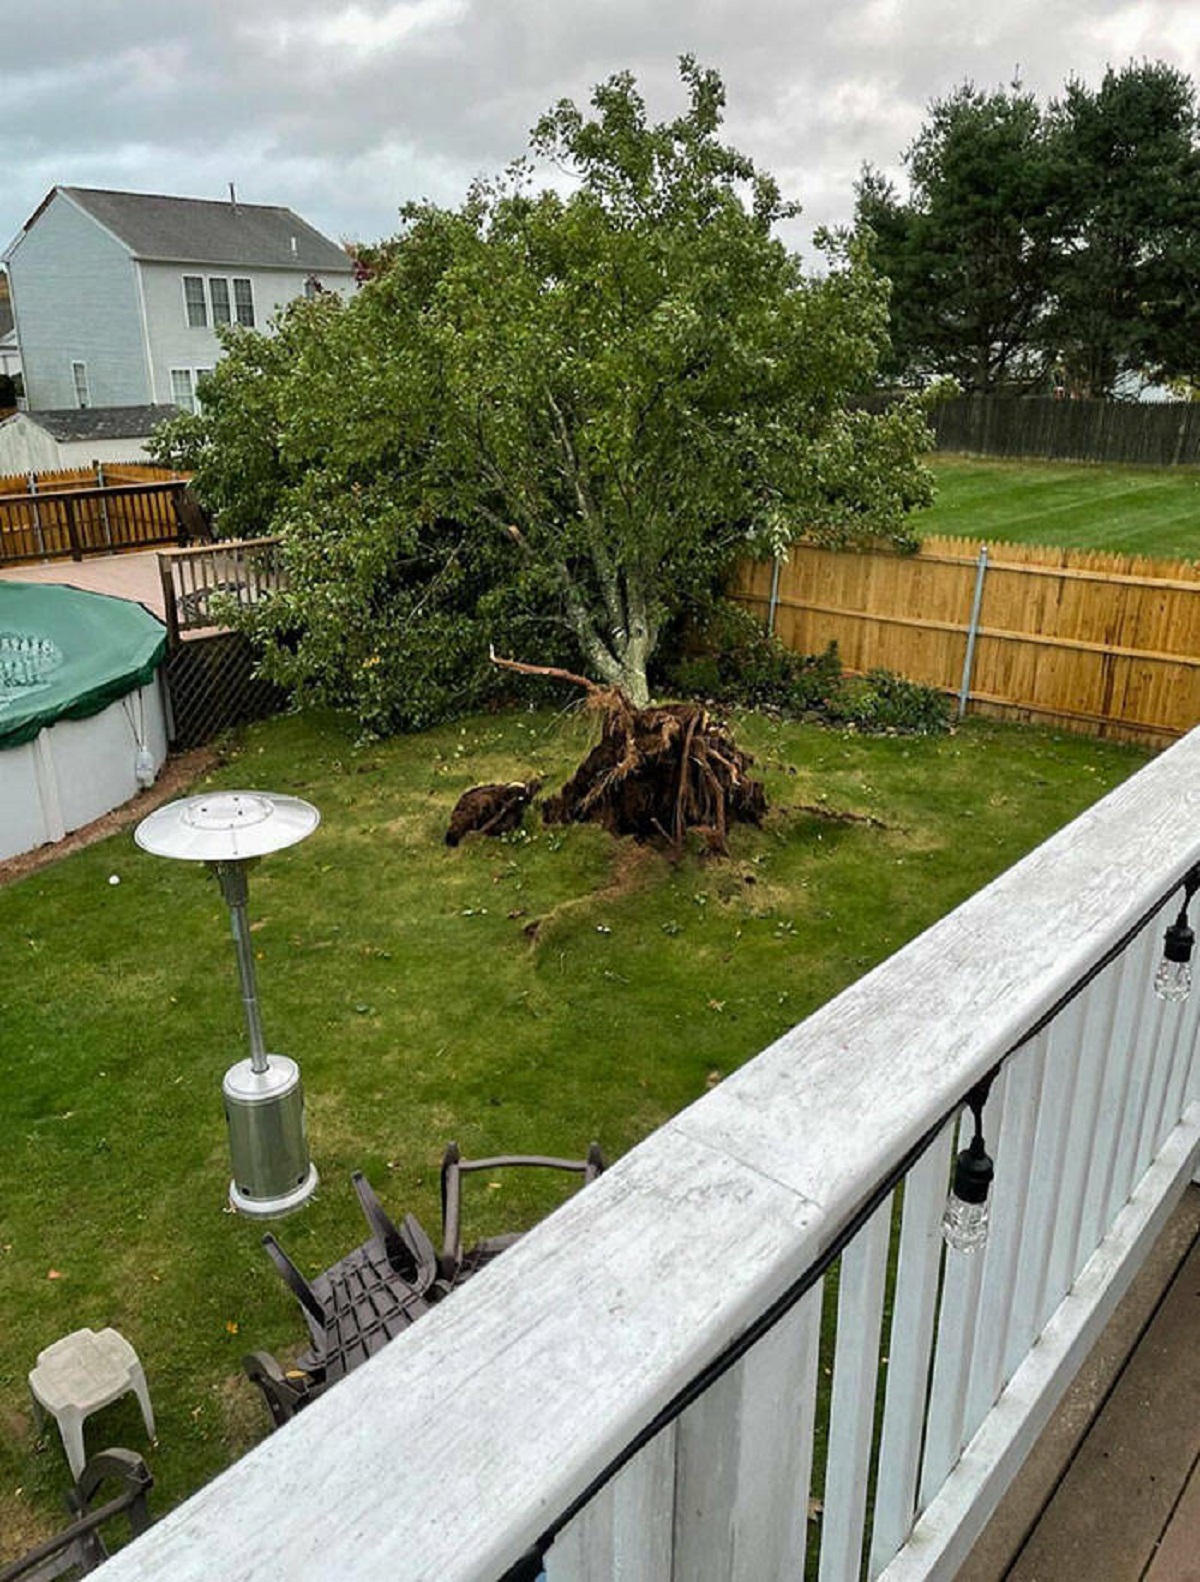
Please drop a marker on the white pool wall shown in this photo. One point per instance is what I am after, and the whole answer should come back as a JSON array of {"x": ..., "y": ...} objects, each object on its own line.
[{"x": 75, "y": 771}]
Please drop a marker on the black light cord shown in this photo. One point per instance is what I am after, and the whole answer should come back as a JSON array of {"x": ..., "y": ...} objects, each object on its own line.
[{"x": 529, "y": 1567}]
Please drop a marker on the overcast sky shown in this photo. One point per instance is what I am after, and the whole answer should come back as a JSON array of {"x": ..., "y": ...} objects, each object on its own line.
[{"x": 343, "y": 112}]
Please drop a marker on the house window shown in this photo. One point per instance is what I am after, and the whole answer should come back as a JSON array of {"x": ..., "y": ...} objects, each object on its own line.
[
  {"x": 201, "y": 373},
  {"x": 243, "y": 301},
  {"x": 83, "y": 396},
  {"x": 218, "y": 290},
  {"x": 182, "y": 389},
  {"x": 193, "y": 297}
]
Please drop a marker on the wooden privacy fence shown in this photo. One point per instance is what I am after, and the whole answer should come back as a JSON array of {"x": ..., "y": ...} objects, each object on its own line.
[
  {"x": 1160, "y": 434},
  {"x": 88, "y": 521},
  {"x": 1090, "y": 641}
]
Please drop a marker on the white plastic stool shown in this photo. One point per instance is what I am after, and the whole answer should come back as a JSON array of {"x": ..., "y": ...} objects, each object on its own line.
[{"x": 78, "y": 1375}]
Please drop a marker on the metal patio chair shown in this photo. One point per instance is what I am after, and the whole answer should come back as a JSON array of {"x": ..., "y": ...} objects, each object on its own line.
[{"x": 455, "y": 1265}]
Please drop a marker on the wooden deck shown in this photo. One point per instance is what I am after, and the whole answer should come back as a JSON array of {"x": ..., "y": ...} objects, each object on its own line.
[
  {"x": 1112, "y": 1489},
  {"x": 133, "y": 576}
]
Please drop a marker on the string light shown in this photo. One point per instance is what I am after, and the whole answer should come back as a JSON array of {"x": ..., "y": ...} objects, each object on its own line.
[
  {"x": 1173, "y": 980},
  {"x": 965, "y": 1222}
]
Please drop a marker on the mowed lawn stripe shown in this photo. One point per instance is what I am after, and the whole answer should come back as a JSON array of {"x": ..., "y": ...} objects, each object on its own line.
[{"x": 1127, "y": 510}]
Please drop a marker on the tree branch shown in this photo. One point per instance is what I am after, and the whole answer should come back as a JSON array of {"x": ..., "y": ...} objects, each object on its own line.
[{"x": 542, "y": 670}]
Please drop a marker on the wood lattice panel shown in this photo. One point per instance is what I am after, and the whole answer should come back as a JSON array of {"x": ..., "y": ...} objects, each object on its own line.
[{"x": 212, "y": 688}]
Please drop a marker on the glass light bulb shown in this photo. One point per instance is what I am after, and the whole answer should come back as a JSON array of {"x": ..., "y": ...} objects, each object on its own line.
[
  {"x": 1173, "y": 979},
  {"x": 965, "y": 1225}
]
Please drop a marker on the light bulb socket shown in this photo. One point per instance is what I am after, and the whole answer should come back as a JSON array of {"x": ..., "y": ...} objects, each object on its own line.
[
  {"x": 1178, "y": 942},
  {"x": 973, "y": 1173}
]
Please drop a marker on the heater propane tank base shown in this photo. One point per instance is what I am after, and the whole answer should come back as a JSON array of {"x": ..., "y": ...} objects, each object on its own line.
[{"x": 264, "y": 1110}]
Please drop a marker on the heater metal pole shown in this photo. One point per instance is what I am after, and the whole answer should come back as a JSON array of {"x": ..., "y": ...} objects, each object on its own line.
[{"x": 236, "y": 889}]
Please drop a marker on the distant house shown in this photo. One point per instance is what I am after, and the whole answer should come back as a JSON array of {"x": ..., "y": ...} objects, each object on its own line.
[
  {"x": 10, "y": 352},
  {"x": 117, "y": 295},
  {"x": 76, "y": 437}
]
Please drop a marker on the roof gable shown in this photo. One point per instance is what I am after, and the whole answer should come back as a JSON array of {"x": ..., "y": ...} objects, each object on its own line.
[
  {"x": 99, "y": 422},
  {"x": 200, "y": 231}
]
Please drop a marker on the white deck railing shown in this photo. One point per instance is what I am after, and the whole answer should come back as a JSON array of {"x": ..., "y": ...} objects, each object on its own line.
[{"x": 462, "y": 1446}]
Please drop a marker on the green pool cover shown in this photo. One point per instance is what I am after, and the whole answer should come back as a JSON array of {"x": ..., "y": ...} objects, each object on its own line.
[{"x": 66, "y": 654}]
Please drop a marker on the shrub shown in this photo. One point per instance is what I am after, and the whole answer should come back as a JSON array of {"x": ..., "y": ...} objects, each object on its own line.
[
  {"x": 729, "y": 657},
  {"x": 884, "y": 701}
]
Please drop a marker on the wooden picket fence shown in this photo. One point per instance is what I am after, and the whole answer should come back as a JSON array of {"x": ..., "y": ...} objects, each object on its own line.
[
  {"x": 98, "y": 476},
  {"x": 1103, "y": 643}
]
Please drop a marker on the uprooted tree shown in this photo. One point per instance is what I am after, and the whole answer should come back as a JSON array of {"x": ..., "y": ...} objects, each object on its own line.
[
  {"x": 657, "y": 773},
  {"x": 553, "y": 421}
]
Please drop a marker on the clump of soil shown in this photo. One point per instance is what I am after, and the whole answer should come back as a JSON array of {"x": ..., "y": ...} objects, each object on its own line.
[
  {"x": 658, "y": 773},
  {"x": 491, "y": 809}
]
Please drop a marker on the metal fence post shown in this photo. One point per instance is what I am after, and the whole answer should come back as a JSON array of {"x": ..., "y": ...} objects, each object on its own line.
[
  {"x": 964, "y": 690},
  {"x": 774, "y": 601}
]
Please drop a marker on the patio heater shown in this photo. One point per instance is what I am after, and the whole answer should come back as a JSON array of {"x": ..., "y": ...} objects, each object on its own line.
[{"x": 264, "y": 1100}]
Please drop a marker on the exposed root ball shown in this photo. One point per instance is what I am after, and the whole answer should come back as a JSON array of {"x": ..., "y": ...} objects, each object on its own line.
[
  {"x": 657, "y": 773},
  {"x": 491, "y": 809}
]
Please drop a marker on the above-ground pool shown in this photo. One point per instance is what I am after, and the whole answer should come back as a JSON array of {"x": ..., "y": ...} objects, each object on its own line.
[{"x": 82, "y": 723}]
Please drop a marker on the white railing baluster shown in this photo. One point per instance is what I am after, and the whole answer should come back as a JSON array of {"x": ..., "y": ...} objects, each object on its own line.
[
  {"x": 744, "y": 1459},
  {"x": 583, "y": 1551},
  {"x": 1110, "y": 1057},
  {"x": 1171, "y": 1017},
  {"x": 1050, "y": 1156},
  {"x": 852, "y": 1408},
  {"x": 627, "y": 1531},
  {"x": 1159, "y": 1038},
  {"x": 1022, "y": 1307},
  {"x": 1143, "y": 1039},
  {"x": 1082, "y": 1046},
  {"x": 779, "y": 1404},
  {"x": 1012, "y": 1148},
  {"x": 910, "y": 1344},
  {"x": 962, "y": 1281},
  {"x": 1176, "y": 1095},
  {"x": 1138, "y": 962}
]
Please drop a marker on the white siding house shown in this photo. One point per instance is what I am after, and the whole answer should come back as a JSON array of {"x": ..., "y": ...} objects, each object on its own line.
[
  {"x": 117, "y": 295},
  {"x": 57, "y": 441}
]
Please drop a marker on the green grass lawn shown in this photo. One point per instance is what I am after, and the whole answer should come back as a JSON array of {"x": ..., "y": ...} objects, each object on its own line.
[
  {"x": 1072, "y": 505},
  {"x": 527, "y": 994}
]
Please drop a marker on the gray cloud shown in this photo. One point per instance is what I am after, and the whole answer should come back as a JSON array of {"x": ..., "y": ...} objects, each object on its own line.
[{"x": 344, "y": 110}]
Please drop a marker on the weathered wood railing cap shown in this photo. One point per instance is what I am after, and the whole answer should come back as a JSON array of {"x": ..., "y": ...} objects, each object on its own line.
[{"x": 450, "y": 1451}]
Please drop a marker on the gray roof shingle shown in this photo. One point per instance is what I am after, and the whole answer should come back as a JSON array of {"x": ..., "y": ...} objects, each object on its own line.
[
  {"x": 200, "y": 231},
  {"x": 101, "y": 422}
]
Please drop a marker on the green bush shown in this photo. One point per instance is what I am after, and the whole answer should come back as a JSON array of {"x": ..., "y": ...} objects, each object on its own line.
[
  {"x": 884, "y": 701},
  {"x": 727, "y": 656}
]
